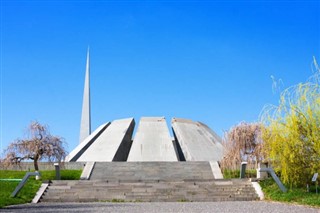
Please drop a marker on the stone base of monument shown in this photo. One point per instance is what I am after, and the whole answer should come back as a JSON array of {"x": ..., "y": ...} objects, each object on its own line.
[
  {"x": 151, "y": 181},
  {"x": 154, "y": 171}
]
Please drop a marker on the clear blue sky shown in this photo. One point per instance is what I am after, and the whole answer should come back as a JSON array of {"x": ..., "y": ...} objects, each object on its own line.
[{"x": 207, "y": 61}]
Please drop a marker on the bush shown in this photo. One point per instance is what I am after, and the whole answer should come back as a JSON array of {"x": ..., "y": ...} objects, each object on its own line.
[{"x": 292, "y": 132}]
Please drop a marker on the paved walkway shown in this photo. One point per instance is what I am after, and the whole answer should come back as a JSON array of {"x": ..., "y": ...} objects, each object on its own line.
[{"x": 221, "y": 207}]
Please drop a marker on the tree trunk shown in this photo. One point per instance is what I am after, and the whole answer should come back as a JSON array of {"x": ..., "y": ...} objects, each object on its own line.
[
  {"x": 36, "y": 166},
  {"x": 35, "y": 163}
]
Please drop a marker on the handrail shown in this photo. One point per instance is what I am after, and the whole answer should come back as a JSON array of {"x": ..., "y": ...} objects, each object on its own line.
[
  {"x": 275, "y": 178},
  {"x": 11, "y": 179},
  {"x": 24, "y": 180}
]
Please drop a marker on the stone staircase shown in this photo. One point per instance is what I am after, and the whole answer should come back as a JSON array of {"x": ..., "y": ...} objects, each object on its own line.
[
  {"x": 148, "y": 191},
  {"x": 138, "y": 171},
  {"x": 150, "y": 181}
]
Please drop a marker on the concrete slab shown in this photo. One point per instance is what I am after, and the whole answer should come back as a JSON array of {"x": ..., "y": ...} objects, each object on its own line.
[
  {"x": 113, "y": 144},
  {"x": 196, "y": 140},
  {"x": 40, "y": 192},
  {"x": 216, "y": 171},
  {"x": 152, "y": 141},
  {"x": 87, "y": 170},
  {"x": 85, "y": 127},
  {"x": 82, "y": 147}
]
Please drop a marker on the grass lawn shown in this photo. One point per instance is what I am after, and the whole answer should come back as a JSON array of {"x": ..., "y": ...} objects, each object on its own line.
[
  {"x": 272, "y": 191},
  {"x": 30, "y": 189},
  {"x": 228, "y": 173},
  {"x": 294, "y": 195}
]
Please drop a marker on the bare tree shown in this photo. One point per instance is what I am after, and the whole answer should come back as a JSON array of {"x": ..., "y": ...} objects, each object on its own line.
[
  {"x": 39, "y": 145},
  {"x": 242, "y": 142}
]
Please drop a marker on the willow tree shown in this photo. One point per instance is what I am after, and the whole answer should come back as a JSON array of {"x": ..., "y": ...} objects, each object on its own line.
[
  {"x": 39, "y": 145},
  {"x": 242, "y": 142},
  {"x": 292, "y": 133}
]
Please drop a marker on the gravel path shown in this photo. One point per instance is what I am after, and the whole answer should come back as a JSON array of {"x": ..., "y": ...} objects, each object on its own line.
[{"x": 220, "y": 207}]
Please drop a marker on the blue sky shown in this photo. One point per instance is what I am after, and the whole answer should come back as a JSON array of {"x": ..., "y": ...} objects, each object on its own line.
[{"x": 208, "y": 61}]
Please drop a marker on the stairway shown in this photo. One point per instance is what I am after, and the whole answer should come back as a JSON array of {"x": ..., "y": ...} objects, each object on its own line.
[
  {"x": 160, "y": 191},
  {"x": 150, "y": 181},
  {"x": 138, "y": 171}
]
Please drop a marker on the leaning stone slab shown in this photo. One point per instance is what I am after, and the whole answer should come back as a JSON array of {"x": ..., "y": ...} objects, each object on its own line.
[
  {"x": 86, "y": 173},
  {"x": 113, "y": 144},
  {"x": 258, "y": 190},
  {"x": 196, "y": 141},
  {"x": 82, "y": 147},
  {"x": 216, "y": 170}
]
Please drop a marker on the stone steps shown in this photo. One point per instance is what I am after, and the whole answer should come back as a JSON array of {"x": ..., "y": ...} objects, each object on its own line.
[
  {"x": 169, "y": 191},
  {"x": 145, "y": 171},
  {"x": 150, "y": 181}
]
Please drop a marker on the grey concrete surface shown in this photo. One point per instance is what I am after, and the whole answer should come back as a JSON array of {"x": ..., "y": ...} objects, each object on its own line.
[
  {"x": 85, "y": 127},
  {"x": 152, "y": 142},
  {"x": 216, "y": 171},
  {"x": 152, "y": 170},
  {"x": 197, "y": 141},
  {"x": 87, "y": 170},
  {"x": 113, "y": 144},
  {"x": 150, "y": 191},
  {"x": 83, "y": 146},
  {"x": 221, "y": 207}
]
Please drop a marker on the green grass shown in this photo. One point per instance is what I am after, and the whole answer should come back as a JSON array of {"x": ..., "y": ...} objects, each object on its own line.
[
  {"x": 272, "y": 191},
  {"x": 115, "y": 200},
  {"x": 294, "y": 195},
  {"x": 65, "y": 175},
  {"x": 24, "y": 196},
  {"x": 29, "y": 190},
  {"x": 228, "y": 173}
]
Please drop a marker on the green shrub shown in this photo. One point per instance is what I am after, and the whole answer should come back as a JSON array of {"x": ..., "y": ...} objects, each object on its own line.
[{"x": 292, "y": 134}]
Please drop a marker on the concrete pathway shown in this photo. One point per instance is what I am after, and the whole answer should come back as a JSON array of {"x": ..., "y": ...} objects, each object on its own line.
[{"x": 220, "y": 207}]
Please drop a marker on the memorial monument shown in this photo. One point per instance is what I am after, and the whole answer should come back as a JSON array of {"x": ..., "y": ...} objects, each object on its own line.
[
  {"x": 152, "y": 142},
  {"x": 150, "y": 165}
]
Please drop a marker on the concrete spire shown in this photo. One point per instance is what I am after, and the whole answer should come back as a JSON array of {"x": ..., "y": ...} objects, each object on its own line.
[{"x": 85, "y": 128}]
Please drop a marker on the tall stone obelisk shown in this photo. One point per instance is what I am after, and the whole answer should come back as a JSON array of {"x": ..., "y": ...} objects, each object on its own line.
[{"x": 85, "y": 127}]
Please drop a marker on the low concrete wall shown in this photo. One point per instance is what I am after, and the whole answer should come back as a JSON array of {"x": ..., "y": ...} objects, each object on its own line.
[{"x": 28, "y": 166}]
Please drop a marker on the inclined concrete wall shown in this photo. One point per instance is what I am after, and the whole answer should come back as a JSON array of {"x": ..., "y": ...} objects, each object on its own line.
[
  {"x": 75, "y": 154},
  {"x": 125, "y": 145},
  {"x": 194, "y": 141},
  {"x": 197, "y": 141},
  {"x": 152, "y": 141},
  {"x": 113, "y": 144}
]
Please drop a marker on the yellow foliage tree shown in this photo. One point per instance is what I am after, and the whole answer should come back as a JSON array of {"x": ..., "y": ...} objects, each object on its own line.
[{"x": 292, "y": 132}]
